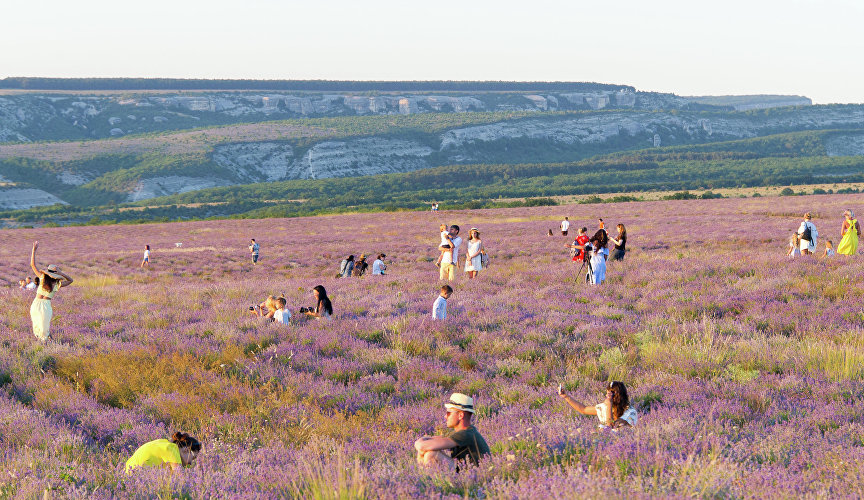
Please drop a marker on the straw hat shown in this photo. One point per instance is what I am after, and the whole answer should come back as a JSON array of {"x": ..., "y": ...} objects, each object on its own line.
[
  {"x": 52, "y": 271},
  {"x": 460, "y": 402}
]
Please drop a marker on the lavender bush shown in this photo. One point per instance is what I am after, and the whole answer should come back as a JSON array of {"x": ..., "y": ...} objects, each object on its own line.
[{"x": 746, "y": 366}]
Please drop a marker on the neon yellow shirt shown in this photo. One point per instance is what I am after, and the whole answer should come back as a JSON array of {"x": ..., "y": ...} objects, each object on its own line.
[{"x": 157, "y": 452}]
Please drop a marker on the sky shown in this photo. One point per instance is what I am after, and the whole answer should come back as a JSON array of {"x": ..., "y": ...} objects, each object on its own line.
[{"x": 729, "y": 47}]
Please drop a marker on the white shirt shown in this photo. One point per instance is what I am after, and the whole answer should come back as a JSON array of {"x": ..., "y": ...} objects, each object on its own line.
[
  {"x": 565, "y": 225},
  {"x": 282, "y": 316},
  {"x": 439, "y": 308},
  {"x": 30, "y": 286},
  {"x": 445, "y": 238},
  {"x": 377, "y": 267},
  {"x": 146, "y": 254},
  {"x": 630, "y": 415},
  {"x": 456, "y": 242}
]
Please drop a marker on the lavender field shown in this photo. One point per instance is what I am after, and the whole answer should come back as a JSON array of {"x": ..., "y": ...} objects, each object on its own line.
[{"x": 746, "y": 366}]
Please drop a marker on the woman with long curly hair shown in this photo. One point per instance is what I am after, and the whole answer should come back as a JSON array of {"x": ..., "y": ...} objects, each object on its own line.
[{"x": 614, "y": 411}]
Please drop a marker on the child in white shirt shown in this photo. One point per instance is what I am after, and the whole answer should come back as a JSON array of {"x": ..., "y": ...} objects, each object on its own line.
[{"x": 439, "y": 308}]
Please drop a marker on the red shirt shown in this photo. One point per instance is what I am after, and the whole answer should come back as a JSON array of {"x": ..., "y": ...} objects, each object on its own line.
[{"x": 581, "y": 240}]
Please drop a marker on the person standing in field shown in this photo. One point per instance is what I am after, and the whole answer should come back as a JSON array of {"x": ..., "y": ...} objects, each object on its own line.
[
  {"x": 619, "y": 242},
  {"x": 850, "y": 232},
  {"x": 565, "y": 226},
  {"x": 794, "y": 246},
  {"x": 50, "y": 280},
  {"x": 253, "y": 249},
  {"x": 829, "y": 249},
  {"x": 474, "y": 257},
  {"x": 439, "y": 307},
  {"x": 450, "y": 257},
  {"x": 808, "y": 235},
  {"x": 578, "y": 246},
  {"x": 146, "y": 261}
]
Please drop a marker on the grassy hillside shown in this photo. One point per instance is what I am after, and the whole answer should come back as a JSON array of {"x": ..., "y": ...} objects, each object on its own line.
[{"x": 784, "y": 159}]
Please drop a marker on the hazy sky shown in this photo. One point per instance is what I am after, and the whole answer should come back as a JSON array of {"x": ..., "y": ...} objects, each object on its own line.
[{"x": 689, "y": 47}]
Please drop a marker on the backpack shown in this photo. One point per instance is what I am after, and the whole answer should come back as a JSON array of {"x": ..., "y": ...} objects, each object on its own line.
[{"x": 807, "y": 235}]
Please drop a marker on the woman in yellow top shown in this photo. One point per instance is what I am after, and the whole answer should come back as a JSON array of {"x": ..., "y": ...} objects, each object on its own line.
[
  {"x": 849, "y": 243},
  {"x": 50, "y": 280},
  {"x": 180, "y": 450}
]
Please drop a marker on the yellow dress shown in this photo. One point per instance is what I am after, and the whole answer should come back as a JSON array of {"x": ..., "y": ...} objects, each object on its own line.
[
  {"x": 849, "y": 244},
  {"x": 157, "y": 452}
]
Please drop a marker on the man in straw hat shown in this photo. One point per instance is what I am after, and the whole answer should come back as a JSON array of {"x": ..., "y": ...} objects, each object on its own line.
[{"x": 464, "y": 442}]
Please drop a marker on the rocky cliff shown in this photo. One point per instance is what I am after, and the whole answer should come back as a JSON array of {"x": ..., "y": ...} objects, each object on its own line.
[
  {"x": 547, "y": 138},
  {"x": 38, "y": 117}
]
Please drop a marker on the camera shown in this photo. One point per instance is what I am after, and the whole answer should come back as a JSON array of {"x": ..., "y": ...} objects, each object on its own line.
[
  {"x": 305, "y": 309},
  {"x": 251, "y": 308}
]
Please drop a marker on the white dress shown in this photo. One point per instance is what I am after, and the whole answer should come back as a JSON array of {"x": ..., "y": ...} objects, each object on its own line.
[
  {"x": 598, "y": 265},
  {"x": 475, "y": 263}
]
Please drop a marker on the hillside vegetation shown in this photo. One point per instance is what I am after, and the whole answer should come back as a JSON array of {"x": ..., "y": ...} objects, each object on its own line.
[{"x": 784, "y": 159}]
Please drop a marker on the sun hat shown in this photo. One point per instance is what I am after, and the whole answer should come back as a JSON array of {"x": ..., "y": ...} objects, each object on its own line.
[
  {"x": 460, "y": 402},
  {"x": 52, "y": 271}
]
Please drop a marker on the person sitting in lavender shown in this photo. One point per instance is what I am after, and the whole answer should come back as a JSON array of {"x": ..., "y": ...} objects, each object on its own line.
[
  {"x": 378, "y": 266},
  {"x": 464, "y": 442},
  {"x": 614, "y": 411}
]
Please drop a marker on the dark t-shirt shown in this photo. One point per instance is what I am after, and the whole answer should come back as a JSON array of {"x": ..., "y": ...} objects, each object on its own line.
[
  {"x": 623, "y": 244},
  {"x": 469, "y": 445}
]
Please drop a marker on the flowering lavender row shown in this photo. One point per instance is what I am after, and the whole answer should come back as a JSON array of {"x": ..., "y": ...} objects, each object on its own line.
[{"x": 746, "y": 366}]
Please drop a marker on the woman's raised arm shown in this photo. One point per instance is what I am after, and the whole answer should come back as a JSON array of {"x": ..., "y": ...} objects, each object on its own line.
[{"x": 33, "y": 259}]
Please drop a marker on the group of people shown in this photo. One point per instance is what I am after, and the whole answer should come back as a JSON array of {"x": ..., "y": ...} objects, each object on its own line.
[
  {"x": 804, "y": 240},
  {"x": 349, "y": 267},
  {"x": 463, "y": 445},
  {"x": 28, "y": 283},
  {"x": 593, "y": 251},
  {"x": 275, "y": 309},
  {"x": 448, "y": 259}
]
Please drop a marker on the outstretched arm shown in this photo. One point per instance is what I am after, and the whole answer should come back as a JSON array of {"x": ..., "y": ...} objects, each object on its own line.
[
  {"x": 33, "y": 259},
  {"x": 576, "y": 405}
]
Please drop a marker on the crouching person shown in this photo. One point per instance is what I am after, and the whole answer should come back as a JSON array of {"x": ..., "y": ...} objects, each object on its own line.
[
  {"x": 181, "y": 450},
  {"x": 464, "y": 442}
]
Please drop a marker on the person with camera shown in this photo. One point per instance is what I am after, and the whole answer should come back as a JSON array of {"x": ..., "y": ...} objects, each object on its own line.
[
  {"x": 597, "y": 253},
  {"x": 614, "y": 412},
  {"x": 808, "y": 234},
  {"x": 323, "y": 307},
  {"x": 378, "y": 267},
  {"x": 266, "y": 310}
]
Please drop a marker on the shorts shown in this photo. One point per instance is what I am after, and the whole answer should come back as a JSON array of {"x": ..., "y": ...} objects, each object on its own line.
[{"x": 563, "y": 232}]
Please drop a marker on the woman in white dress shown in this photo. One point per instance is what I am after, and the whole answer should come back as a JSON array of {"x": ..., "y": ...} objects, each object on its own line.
[
  {"x": 50, "y": 280},
  {"x": 473, "y": 261}
]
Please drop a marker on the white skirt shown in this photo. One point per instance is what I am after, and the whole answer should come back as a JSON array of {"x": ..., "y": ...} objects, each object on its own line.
[
  {"x": 474, "y": 264},
  {"x": 40, "y": 314}
]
